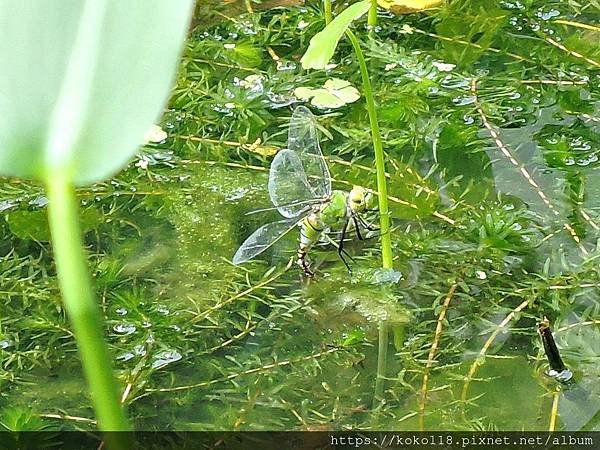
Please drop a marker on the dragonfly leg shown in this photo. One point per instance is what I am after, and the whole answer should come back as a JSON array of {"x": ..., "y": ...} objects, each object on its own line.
[
  {"x": 337, "y": 246},
  {"x": 357, "y": 227},
  {"x": 367, "y": 225},
  {"x": 341, "y": 250},
  {"x": 358, "y": 222}
]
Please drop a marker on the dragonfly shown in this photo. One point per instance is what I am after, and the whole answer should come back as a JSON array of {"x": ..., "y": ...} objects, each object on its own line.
[{"x": 300, "y": 190}]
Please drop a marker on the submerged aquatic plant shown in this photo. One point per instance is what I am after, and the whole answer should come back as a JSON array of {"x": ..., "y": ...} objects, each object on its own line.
[{"x": 204, "y": 345}]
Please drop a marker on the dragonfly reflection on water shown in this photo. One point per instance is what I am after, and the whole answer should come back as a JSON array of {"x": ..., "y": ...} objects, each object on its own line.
[{"x": 300, "y": 189}]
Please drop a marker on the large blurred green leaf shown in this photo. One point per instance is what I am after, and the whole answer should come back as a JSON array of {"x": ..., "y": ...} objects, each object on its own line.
[
  {"x": 322, "y": 45},
  {"x": 82, "y": 81}
]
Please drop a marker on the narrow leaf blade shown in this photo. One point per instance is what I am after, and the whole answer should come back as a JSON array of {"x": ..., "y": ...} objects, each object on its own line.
[{"x": 322, "y": 45}]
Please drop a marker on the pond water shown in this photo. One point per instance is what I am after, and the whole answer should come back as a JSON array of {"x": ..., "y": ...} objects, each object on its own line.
[{"x": 489, "y": 113}]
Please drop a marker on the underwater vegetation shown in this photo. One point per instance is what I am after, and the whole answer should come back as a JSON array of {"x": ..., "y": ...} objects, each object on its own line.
[{"x": 487, "y": 117}]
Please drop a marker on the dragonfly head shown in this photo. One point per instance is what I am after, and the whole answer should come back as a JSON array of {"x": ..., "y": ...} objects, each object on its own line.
[{"x": 360, "y": 200}]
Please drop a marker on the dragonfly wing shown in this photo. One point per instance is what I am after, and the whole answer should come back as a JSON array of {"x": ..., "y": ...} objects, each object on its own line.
[
  {"x": 262, "y": 239},
  {"x": 289, "y": 188},
  {"x": 306, "y": 205},
  {"x": 303, "y": 139}
]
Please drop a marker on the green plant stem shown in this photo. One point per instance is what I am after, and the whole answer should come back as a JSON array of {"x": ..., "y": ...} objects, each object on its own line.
[
  {"x": 328, "y": 14},
  {"x": 382, "y": 350},
  {"x": 83, "y": 312},
  {"x": 372, "y": 18},
  {"x": 384, "y": 217}
]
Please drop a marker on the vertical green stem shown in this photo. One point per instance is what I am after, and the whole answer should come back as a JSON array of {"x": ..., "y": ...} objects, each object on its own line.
[
  {"x": 372, "y": 18},
  {"x": 83, "y": 312},
  {"x": 382, "y": 350},
  {"x": 328, "y": 14},
  {"x": 384, "y": 217}
]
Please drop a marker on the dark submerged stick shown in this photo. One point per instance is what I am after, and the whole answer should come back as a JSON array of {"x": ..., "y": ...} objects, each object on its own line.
[{"x": 558, "y": 369}]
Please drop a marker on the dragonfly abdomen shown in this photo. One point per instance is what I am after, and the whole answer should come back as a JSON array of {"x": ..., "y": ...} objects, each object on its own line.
[{"x": 311, "y": 228}]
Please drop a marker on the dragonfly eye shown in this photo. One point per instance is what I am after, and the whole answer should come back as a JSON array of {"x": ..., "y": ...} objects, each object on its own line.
[{"x": 357, "y": 197}]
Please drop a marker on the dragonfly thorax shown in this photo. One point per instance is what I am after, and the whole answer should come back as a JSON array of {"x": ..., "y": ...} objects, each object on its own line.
[
  {"x": 340, "y": 205},
  {"x": 335, "y": 209}
]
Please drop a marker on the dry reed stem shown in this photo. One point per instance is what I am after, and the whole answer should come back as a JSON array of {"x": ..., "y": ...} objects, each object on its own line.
[
  {"x": 432, "y": 354},
  {"x": 486, "y": 346},
  {"x": 572, "y": 23},
  {"x": 571, "y": 52},
  {"x": 554, "y": 411},
  {"x": 506, "y": 152}
]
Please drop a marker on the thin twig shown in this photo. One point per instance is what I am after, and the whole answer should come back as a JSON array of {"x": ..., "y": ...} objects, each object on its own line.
[
  {"x": 382, "y": 352},
  {"x": 572, "y": 23},
  {"x": 555, "y": 82},
  {"x": 585, "y": 116},
  {"x": 571, "y": 52},
  {"x": 486, "y": 346},
  {"x": 206, "y": 313},
  {"x": 469, "y": 44},
  {"x": 578, "y": 324},
  {"x": 247, "y": 329},
  {"x": 512, "y": 158},
  {"x": 436, "y": 214},
  {"x": 67, "y": 417},
  {"x": 432, "y": 354},
  {"x": 210, "y": 141},
  {"x": 407, "y": 169},
  {"x": 233, "y": 376},
  {"x": 230, "y": 66},
  {"x": 135, "y": 374},
  {"x": 554, "y": 412}
]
